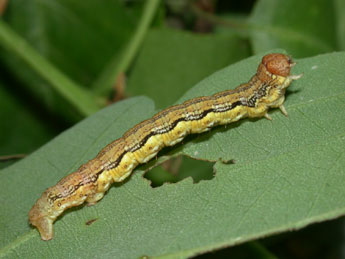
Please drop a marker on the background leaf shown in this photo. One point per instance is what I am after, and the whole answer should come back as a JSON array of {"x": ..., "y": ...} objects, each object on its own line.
[
  {"x": 303, "y": 28},
  {"x": 276, "y": 185},
  {"x": 74, "y": 39},
  {"x": 12, "y": 138}
]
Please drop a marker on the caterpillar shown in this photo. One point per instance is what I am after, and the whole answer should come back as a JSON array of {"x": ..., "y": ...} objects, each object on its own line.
[{"x": 138, "y": 145}]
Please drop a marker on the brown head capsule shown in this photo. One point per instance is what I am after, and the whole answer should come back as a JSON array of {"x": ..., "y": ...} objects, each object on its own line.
[{"x": 277, "y": 64}]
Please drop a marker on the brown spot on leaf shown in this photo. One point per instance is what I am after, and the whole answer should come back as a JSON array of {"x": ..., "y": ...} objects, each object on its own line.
[{"x": 89, "y": 222}]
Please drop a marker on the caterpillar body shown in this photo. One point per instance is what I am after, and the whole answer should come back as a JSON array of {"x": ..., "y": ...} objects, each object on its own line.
[{"x": 138, "y": 145}]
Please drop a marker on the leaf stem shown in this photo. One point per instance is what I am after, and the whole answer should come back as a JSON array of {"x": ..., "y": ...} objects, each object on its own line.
[
  {"x": 11, "y": 157},
  {"x": 259, "y": 250},
  {"x": 80, "y": 98},
  {"x": 120, "y": 64}
]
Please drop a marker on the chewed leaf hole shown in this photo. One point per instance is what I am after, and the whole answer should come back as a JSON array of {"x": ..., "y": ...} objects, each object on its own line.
[{"x": 179, "y": 168}]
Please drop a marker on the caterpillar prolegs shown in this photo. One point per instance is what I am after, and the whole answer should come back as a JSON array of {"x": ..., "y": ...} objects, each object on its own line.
[{"x": 138, "y": 145}]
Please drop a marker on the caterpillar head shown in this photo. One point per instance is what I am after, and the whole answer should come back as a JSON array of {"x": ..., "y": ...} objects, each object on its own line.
[
  {"x": 273, "y": 66},
  {"x": 274, "y": 74},
  {"x": 278, "y": 64}
]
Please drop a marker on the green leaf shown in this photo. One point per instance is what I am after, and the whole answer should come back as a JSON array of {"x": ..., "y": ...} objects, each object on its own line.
[
  {"x": 22, "y": 133},
  {"x": 288, "y": 174},
  {"x": 121, "y": 64},
  {"x": 78, "y": 38},
  {"x": 172, "y": 61},
  {"x": 66, "y": 31},
  {"x": 303, "y": 28},
  {"x": 81, "y": 99}
]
